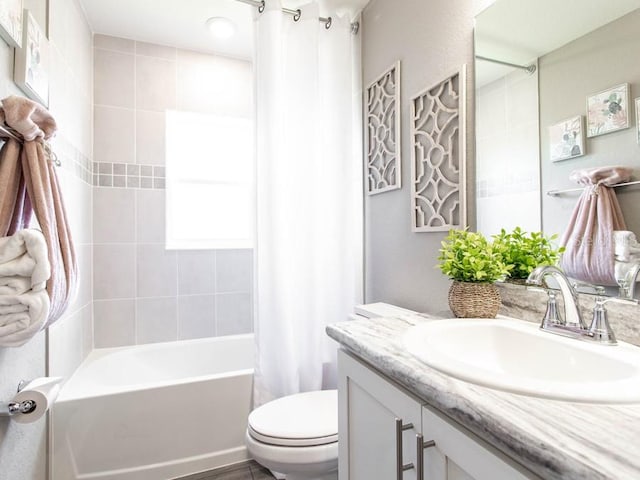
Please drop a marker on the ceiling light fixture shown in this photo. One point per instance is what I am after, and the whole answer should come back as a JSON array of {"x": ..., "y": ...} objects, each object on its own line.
[{"x": 221, "y": 27}]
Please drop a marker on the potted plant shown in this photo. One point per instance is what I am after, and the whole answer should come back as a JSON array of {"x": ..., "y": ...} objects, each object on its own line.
[
  {"x": 522, "y": 251},
  {"x": 474, "y": 265}
]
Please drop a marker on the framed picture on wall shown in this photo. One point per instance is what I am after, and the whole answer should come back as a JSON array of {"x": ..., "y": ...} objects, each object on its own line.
[
  {"x": 11, "y": 22},
  {"x": 638, "y": 119},
  {"x": 566, "y": 139},
  {"x": 31, "y": 72},
  {"x": 608, "y": 111}
]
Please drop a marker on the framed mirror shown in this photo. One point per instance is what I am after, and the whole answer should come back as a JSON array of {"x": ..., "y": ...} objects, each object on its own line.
[{"x": 537, "y": 63}]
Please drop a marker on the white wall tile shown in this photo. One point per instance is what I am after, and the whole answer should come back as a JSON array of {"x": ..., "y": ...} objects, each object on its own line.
[
  {"x": 114, "y": 271},
  {"x": 196, "y": 316},
  {"x": 234, "y": 313},
  {"x": 196, "y": 272},
  {"x": 114, "y": 323},
  {"x": 150, "y": 137},
  {"x": 155, "y": 84},
  {"x": 114, "y": 79},
  {"x": 115, "y": 133},
  {"x": 114, "y": 211},
  {"x": 150, "y": 212},
  {"x": 157, "y": 271},
  {"x": 156, "y": 320},
  {"x": 234, "y": 270},
  {"x": 153, "y": 50},
  {"x": 115, "y": 44}
]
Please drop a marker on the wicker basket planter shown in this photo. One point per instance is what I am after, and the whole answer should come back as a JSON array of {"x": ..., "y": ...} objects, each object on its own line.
[{"x": 474, "y": 300}]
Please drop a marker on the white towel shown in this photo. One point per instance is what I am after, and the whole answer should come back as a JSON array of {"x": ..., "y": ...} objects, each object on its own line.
[
  {"x": 24, "y": 301},
  {"x": 25, "y": 254},
  {"x": 17, "y": 328},
  {"x": 15, "y": 285}
]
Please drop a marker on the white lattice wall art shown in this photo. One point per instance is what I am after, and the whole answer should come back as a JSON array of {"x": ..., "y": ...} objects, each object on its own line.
[
  {"x": 438, "y": 156},
  {"x": 383, "y": 132}
]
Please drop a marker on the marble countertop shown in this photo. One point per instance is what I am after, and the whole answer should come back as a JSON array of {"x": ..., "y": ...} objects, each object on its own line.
[{"x": 553, "y": 439}]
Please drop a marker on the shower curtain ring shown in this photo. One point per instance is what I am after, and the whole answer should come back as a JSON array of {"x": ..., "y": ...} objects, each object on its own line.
[
  {"x": 297, "y": 15},
  {"x": 327, "y": 24},
  {"x": 261, "y": 7}
]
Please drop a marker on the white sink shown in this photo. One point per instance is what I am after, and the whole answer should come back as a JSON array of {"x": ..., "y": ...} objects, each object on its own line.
[{"x": 518, "y": 357}]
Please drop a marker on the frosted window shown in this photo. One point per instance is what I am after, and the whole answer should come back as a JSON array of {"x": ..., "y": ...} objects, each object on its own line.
[{"x": 209, "y": 181}]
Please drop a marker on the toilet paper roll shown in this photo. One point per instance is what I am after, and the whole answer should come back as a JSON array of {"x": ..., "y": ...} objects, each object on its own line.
[{"x": 43, "y": 391}]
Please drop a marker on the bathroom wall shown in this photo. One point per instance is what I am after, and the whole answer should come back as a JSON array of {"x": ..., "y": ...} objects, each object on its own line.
[
  {"x": 507, "y": 157},
  {"x": 23, "y": 448},
  {"x": 431, "y": 39},
  {"x": 143, "y": 292}
]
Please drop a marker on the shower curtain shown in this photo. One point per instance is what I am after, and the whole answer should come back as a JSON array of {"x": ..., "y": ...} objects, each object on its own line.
[{"x": 309, "y": 196}]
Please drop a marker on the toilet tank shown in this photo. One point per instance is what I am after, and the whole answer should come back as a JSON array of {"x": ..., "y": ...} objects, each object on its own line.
[{"x": 378, "y": 309}]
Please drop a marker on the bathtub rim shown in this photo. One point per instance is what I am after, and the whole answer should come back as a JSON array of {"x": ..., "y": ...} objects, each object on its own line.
[{"x": 99, "y": 353}]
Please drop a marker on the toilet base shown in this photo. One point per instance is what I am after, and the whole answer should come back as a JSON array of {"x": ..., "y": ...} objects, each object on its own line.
[{"x": 293, "y": 476}]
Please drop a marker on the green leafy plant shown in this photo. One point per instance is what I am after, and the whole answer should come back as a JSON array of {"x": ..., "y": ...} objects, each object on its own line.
[
  {"x": 522, "y": 251},
  {"x": 469, "y": 257}
]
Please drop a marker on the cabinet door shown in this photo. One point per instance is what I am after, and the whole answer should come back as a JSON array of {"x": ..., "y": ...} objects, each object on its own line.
[
  {"x": 453, "y": 453},
  {"x": 378, "y": 425}
]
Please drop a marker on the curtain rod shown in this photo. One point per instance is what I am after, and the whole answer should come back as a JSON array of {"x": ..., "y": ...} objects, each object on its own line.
[
  {"x": 529, "y": 68},
  {"x": 555, "y": 193},
  {"x": 296, "y": 14}
]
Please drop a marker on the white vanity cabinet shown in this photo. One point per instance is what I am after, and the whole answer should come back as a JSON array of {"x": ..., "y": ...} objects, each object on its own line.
[
  {"x": 378, "y": 425},
  {"x": 385, "y": 433}
]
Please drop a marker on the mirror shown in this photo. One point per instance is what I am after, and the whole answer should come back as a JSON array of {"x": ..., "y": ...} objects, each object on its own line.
[{"x": 536, "y": 64}]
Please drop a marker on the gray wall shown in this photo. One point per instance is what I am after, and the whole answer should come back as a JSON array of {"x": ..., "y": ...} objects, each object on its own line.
[
  {"x": 23, "y": 448},
  {"x": 602, "y": 59},
  {"x": 431, "y": 39}
]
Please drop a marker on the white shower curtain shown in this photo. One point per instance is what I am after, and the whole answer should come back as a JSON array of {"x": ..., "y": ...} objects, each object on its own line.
[{"x": 309, "y": 197}]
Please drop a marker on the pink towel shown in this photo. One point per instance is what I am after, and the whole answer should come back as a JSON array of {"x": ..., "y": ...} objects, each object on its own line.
[
  {"x": 32, "y": 186},
  {"x": 588, "y": 240}
]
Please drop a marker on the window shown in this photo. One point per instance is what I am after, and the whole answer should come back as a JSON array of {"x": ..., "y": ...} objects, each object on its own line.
[{"x": 209, "y": 181}]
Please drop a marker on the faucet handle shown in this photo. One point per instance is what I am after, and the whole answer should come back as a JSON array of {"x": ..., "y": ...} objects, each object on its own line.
[
  {"x": 600, "y": 330},
  {"x": 552, "y": 315}
]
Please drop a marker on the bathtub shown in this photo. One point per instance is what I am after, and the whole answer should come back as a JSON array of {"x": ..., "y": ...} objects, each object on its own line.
[{"x": 154, "y": 412}]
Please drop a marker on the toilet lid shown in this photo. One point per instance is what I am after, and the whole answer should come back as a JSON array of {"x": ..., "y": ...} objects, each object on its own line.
[{"x": 304, "y": 419}]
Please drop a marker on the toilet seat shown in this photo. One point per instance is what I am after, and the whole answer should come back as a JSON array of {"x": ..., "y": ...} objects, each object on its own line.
[{"x": 301, "y": 420}]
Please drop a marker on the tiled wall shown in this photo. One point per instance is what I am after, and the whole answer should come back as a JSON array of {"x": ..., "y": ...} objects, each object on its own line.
[{"x": 143, "y": 292}]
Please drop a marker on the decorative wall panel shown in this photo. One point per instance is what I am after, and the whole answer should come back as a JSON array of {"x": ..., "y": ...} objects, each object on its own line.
[
  {"x": 383, "y": 132},
  {"x": 438, "y": 156}
]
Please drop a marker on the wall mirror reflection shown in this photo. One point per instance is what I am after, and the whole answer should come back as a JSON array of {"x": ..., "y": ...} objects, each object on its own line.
[{"x": 536, "y": 65}]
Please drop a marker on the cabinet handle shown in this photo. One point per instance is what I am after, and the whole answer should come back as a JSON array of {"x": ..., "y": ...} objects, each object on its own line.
[
  {"x": 400, "y": 467},
  {"x": 420, "y": 446}
]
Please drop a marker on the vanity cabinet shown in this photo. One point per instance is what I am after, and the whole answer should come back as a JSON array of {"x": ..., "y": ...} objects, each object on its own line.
[{"x": 385, "y": 433}]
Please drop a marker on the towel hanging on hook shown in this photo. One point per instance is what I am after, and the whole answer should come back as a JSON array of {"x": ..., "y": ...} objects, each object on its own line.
[{"x": 29, "y": 186}]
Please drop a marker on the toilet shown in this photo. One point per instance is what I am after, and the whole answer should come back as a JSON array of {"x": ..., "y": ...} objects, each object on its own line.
[{"x": 296, "y": 437}]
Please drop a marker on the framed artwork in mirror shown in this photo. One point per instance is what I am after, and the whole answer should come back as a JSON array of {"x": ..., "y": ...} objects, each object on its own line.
[
  {"x": 638, "y": 119},
  {"x": 11, "y": 22},
  {"x": 608, "y": 111},
  {"x": 566, "y": 139},
  {"x": 31, "y": 72}
]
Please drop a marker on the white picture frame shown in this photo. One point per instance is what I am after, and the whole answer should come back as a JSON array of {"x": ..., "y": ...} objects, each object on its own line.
[
  {"x": 11, "y": 22},
  {"x": 31, "y": 72},
  {"x": 608, "y": 110},
  {"x": 566, "y": 139}
]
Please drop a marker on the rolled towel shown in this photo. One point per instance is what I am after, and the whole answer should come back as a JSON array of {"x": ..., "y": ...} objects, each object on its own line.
[
  {"x": 25, "y": 254},
  {"x": 15, "y": 285},
  {"x": 17, "y": 328}
]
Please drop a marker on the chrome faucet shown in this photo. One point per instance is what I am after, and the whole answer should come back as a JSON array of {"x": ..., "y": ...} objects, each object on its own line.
[
  {"x": 599, "y": 331},
  {"x": 572, "y": 321}
]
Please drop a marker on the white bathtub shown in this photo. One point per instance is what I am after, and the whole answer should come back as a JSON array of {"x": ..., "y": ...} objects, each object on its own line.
[{"x": 154, "y": 412}]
